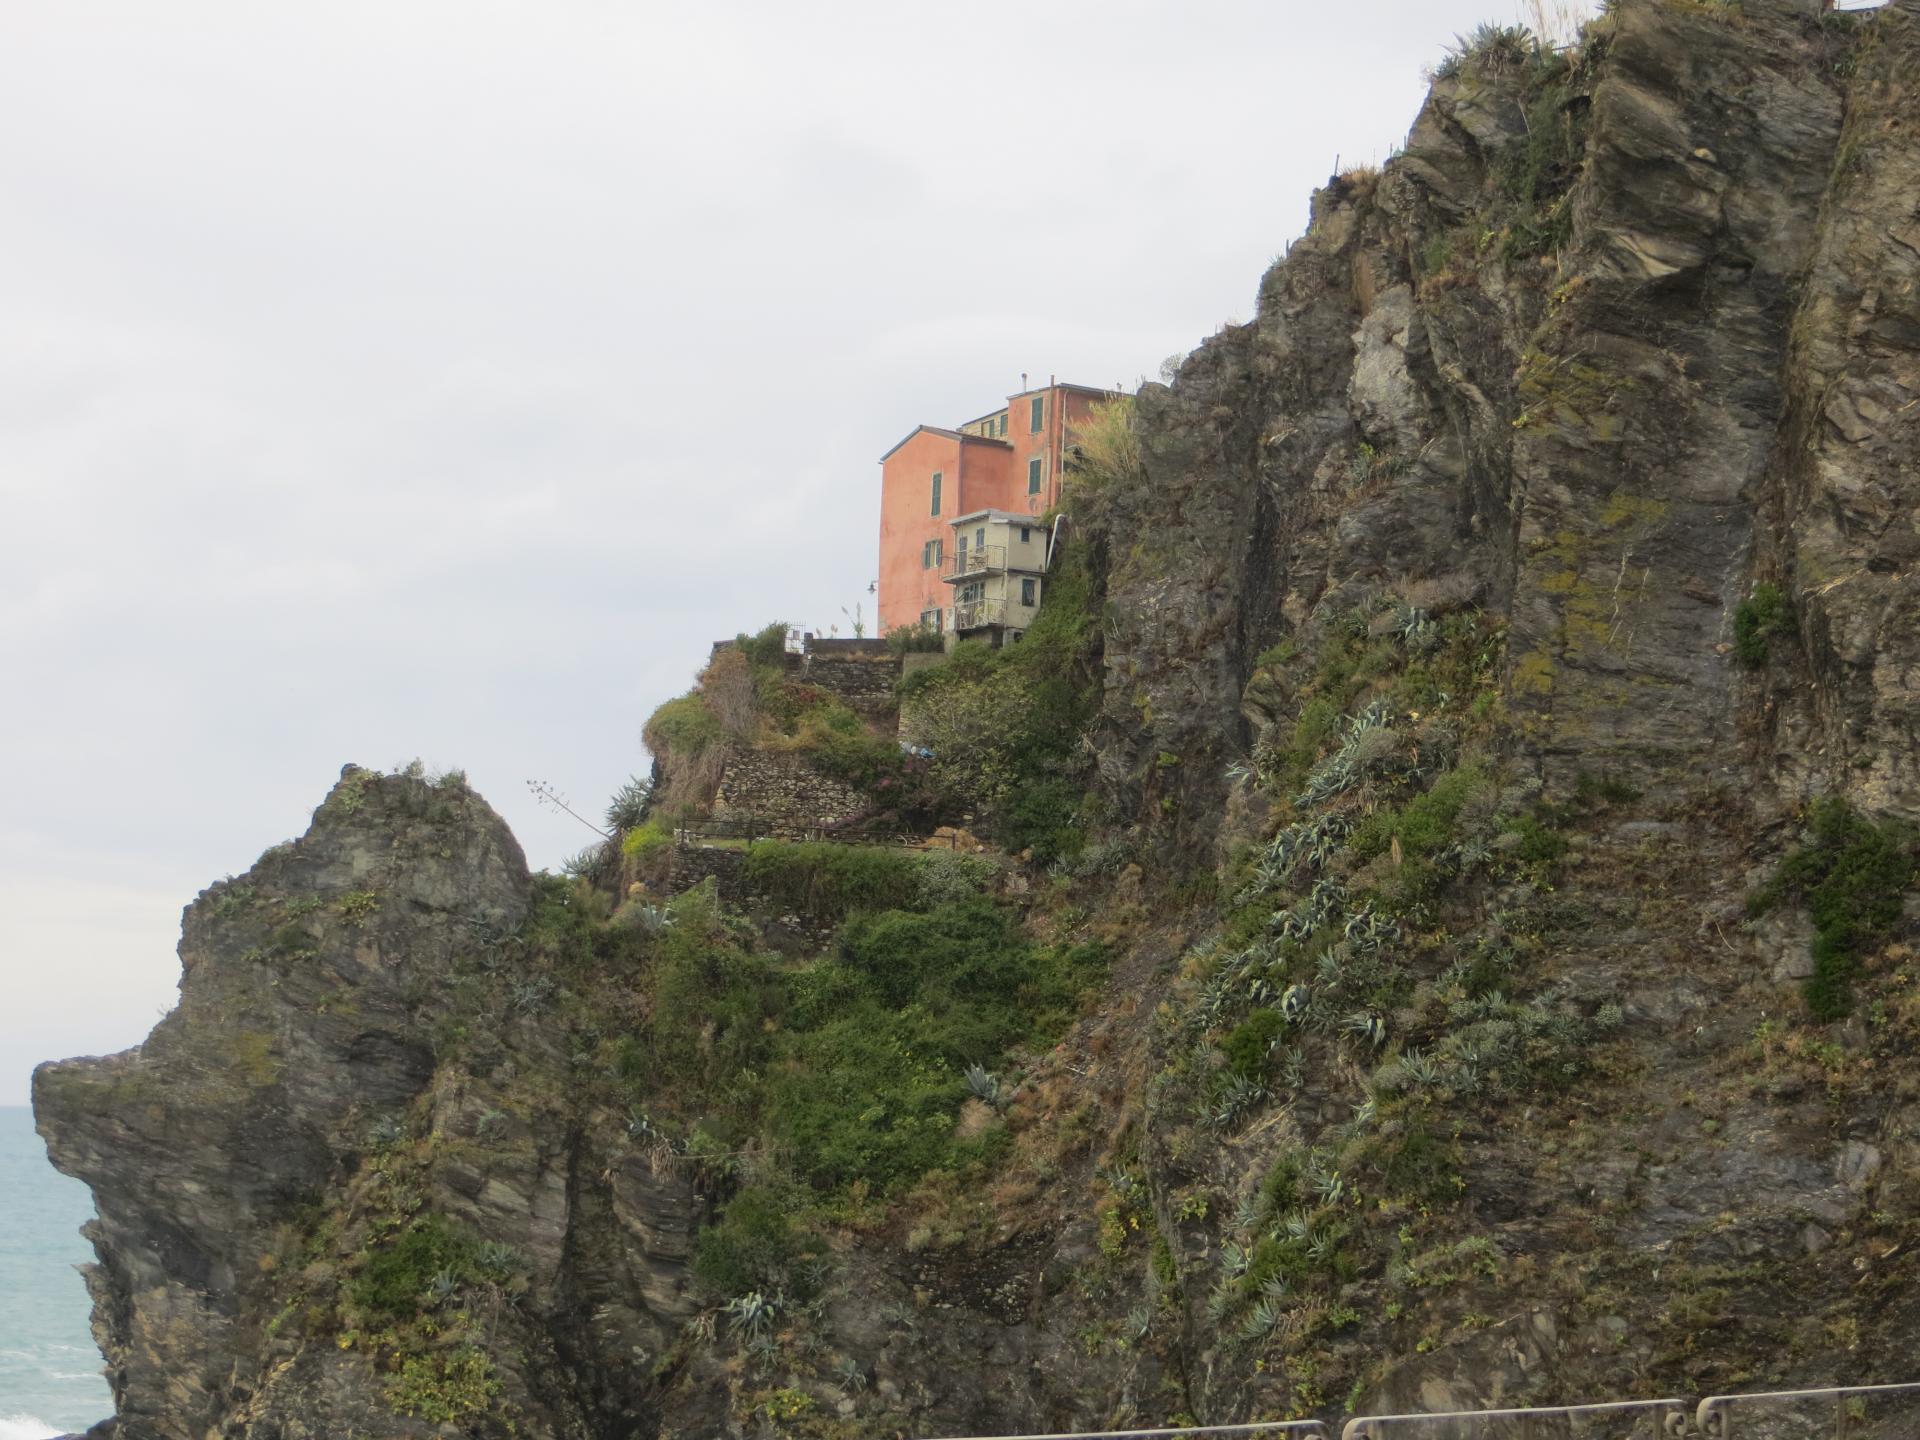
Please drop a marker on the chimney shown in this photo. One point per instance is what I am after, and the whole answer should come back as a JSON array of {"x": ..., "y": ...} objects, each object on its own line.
[{"x": 1023, "y": 382}]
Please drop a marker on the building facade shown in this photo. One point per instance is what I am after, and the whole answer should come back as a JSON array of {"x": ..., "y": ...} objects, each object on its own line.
[
  {"x": 1007, "y": 462},
  {"x": 994, "y": 573}
]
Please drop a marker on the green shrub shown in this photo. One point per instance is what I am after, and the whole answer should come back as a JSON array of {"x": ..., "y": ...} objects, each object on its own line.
[
  {"x": 905, "y": 789},
  {"x": 646, "y": 840},
  {"x": 750, "y": 1246},
  {"x": 1005, "y": 725},
  {"x": 394, "y": 1281},
  {"x": 1538, "y": 843},
  {"x": 915, "y": 640},
  {"x": 1280, "y": 1188},
  {"x": 833, "y": 880},
  {"x": 1247, "y": 1045},
  {"x": 684, "y": 726},
  {"x": 713, "y": 1000},
  {"x": 1602, "y": 789},
  {"x": 444, "y": 1388},
  {"x": 766, "y": 648},
  {"x": 1756, "y": 621},
  {"x": 879, "y": 1037},
  {"x": 1852, "y": 877},
  {"x": 1425, "y": 825},
  {"x": 1409, "y": 1163}
]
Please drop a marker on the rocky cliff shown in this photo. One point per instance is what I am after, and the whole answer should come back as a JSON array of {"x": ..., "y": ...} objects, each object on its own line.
[{"x": 1482, "y": 969}]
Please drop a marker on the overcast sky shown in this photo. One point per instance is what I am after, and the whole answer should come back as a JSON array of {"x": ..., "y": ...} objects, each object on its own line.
[{"x": 438, "y": 379}]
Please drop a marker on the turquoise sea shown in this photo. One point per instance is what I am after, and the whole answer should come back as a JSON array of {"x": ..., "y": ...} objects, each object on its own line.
[{"x": 50, "y": 1380}]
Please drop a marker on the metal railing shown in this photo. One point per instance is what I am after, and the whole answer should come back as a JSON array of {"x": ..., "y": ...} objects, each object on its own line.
[
  {"x": 973, "y": 614},
  {"x": 1841, "y": 1413},
  {"x": 975, "y": 560},
  {"x": 1846, "y": 1406},
  {"x": 1664, "y": 1418}
]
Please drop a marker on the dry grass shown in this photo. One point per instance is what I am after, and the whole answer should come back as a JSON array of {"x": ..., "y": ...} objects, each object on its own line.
[
  {"x": 728, "y": 686},
  {"x": 1107, "y": 447},
  {"x": 1556, "y": 24}
]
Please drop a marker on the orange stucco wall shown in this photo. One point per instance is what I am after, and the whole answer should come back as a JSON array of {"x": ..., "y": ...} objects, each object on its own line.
[{"x": 977, "y": 474}]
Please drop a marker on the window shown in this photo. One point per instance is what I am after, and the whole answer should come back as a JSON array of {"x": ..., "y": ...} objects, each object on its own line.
[
  {"x": 1027, "y": 589},
  {"x": 939, "y": 551},
  {"x": 980, "y": 538},
  {"x": 931, "y": 619},
  {"x": 1026, "y": 533},
  {"x": 1033, "y": 476},
  {"x": 1003, "y": 422},
  {"x": 936, "y": 492},
  {"x": 926, "y": 556},
  {"x": 1039, "y": 407}
]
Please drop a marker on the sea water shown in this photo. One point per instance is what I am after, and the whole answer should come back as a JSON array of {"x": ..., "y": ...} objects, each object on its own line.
[{"x": 50, "y": 1380}]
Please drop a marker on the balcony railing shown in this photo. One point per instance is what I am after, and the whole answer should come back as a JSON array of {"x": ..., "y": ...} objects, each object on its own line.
[
  {"x": 978, "y": 614},
  {"x": 978, "y": 560}
]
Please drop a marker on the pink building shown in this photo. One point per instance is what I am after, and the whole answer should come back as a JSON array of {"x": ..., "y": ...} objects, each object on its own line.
[{"x": 1007, "y": 462}]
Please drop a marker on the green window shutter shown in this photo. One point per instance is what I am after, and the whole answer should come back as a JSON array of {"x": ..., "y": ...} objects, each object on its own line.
[
  {"x": 1039, "y": 412},
  {"x": 1033, "y": 476},
  {"x": 936, "y": 492}
]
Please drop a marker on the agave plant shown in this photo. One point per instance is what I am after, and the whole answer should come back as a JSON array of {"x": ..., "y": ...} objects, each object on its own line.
[
  {"x": 1262, "y": 1320},
  {"x": 648, "y": 918},
  {"x": 1220, "y": 1302},
  {"x": 751, "y": 1314},
  {"x": 1328, "y": 1185},
  {"x": 496, "y": 1259},
  {"x": 850, "y": 1375},
  {"x": 985, "y": 1086},
  {"x": 628, "y": 807},
  {"x": 1368, "y": 1026},
  {"x": 1422, "y": 1071},
  {"x": 442, "y": 1287},
  {"x": 1290, "y": 1064},
  {"x": 531, "y": 993},
  {"x": 1240, "y": 1099},
  {"x": 1247, "y": 1212}
]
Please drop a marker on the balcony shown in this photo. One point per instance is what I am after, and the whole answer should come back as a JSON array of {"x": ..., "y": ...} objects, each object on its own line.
[
  {"x": 979, "y": 560},
  {"x": 978, "y": 614}
]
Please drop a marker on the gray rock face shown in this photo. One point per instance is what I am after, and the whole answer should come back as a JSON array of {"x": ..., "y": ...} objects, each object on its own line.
[
  {"x": 1706, "y": 386},
  {"x": 298, "y": 1026},
  {"x": 305, "y": 1037}
]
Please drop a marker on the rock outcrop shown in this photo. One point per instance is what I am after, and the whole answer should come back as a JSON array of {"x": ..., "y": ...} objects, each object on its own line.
[{"x": 319, "y": 1000}]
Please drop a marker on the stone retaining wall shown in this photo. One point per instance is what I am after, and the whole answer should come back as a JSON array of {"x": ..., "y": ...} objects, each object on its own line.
[
  {"x": 784, "y": 794},
  {"x": 692, "y": 864},
  {"x": 863, "y": 683}
]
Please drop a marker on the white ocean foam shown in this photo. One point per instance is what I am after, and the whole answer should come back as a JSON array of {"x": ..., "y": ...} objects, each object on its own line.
[{"x": 25, "y": 1427}]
